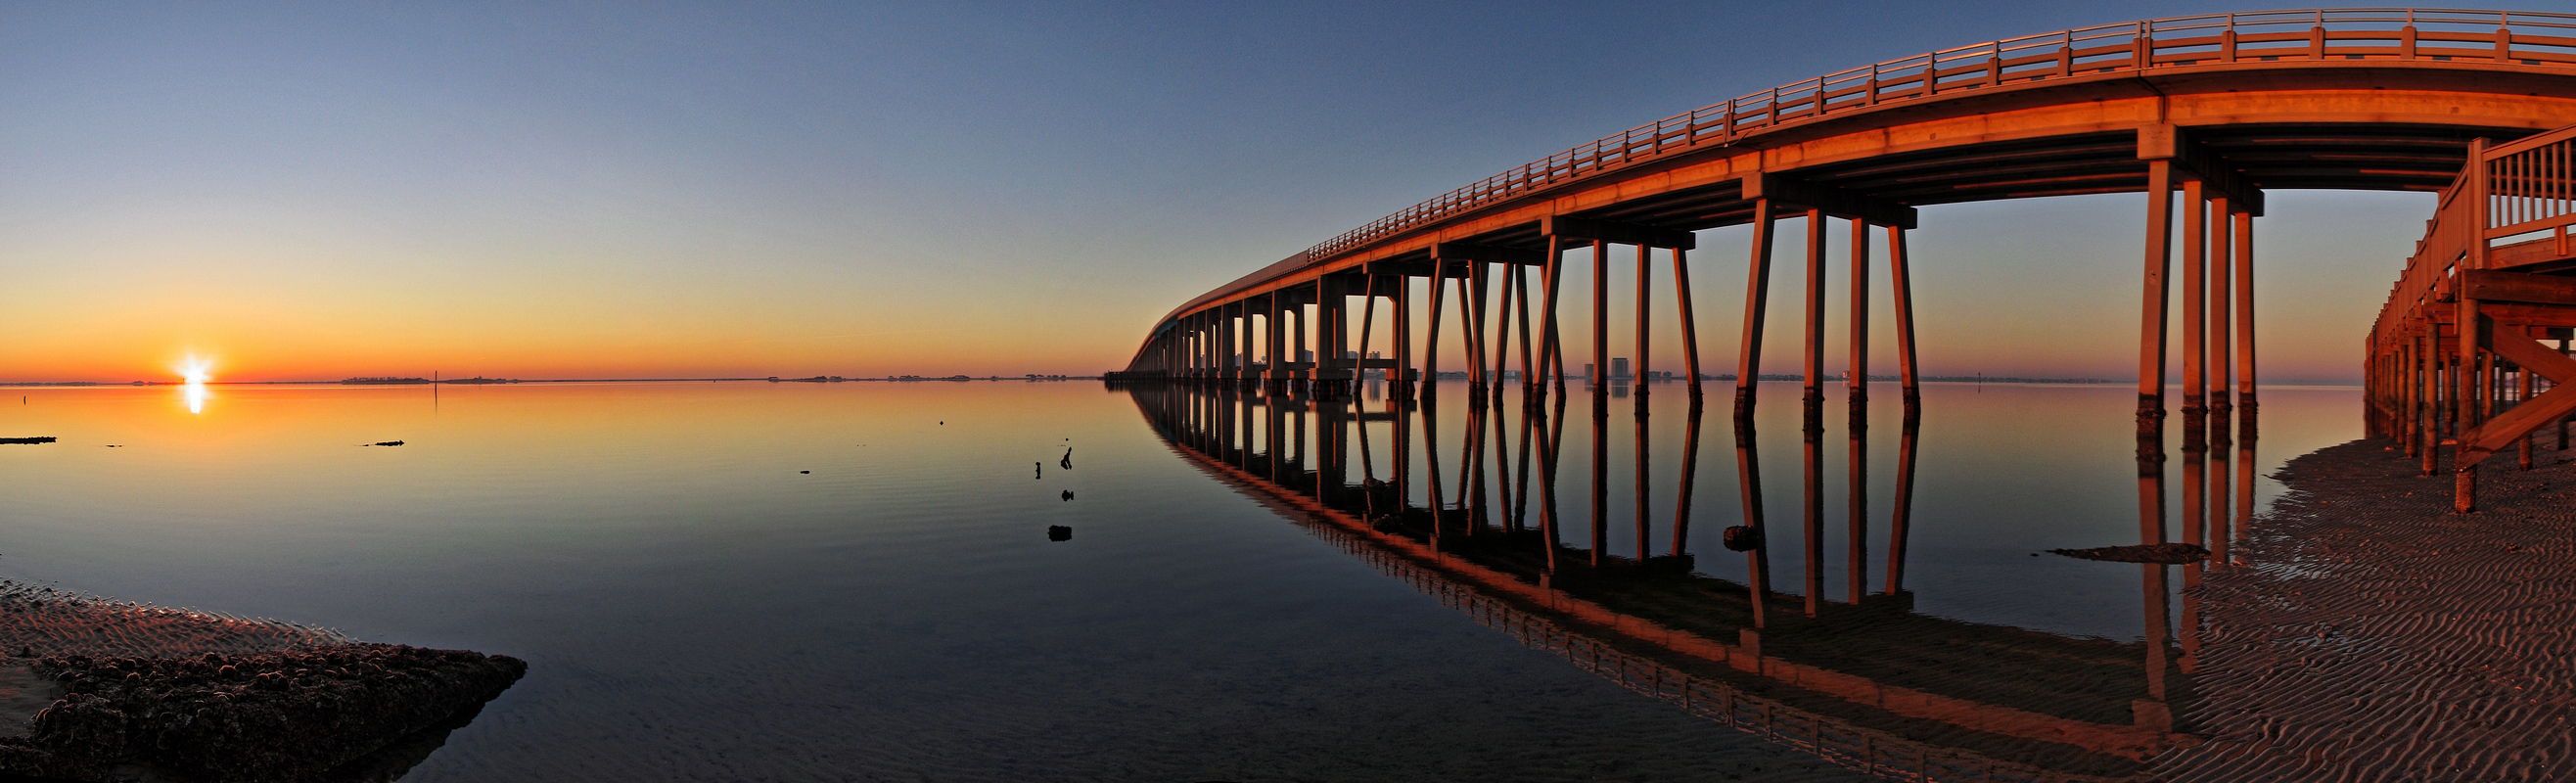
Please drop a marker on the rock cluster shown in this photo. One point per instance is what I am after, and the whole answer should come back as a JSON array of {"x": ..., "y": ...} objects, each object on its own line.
[{"x": 287, "y": 716}]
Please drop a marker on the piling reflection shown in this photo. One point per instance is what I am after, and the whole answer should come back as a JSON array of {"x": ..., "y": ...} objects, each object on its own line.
[{"x": 1864, "y": 679}]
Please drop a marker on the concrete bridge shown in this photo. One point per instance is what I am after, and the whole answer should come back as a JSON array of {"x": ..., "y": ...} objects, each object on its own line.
[{"x": 2217, "y": 109}]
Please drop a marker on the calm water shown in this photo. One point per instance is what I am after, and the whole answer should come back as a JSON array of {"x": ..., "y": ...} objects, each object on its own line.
[{"x": 695, "y": 606}]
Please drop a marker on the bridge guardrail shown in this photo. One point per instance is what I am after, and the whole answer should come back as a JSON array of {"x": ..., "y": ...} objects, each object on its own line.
[
  {"x": 2511, "y": 191},
  {"x": 2527, "y": 38}
]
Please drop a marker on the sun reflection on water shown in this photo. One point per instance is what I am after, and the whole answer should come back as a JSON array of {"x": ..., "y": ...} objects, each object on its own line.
[{"x": 194, "y": 371}]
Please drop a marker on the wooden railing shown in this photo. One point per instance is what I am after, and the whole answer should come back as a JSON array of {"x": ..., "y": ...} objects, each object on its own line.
[
  {"x": 2512, "y": 37},
  {"x": 2517, "y": 192}
]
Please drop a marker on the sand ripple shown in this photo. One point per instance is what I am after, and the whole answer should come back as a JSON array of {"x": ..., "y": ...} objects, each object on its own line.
[{"x": 2377, "y": 636}]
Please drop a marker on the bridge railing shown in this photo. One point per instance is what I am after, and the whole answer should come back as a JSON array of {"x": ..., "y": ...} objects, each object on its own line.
[
  {"x": 2519, "y": 191},
  {"x": 2512, "y": 37}
]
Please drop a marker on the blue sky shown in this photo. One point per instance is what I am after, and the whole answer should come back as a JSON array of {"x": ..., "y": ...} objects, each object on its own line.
[{"x": 598, "y": 190}]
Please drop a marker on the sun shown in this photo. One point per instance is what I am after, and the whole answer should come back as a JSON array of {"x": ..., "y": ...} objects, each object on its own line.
[{"x": 195, "y": 370}]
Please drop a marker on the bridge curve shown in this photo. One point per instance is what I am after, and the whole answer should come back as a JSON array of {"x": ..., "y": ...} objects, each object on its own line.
[{"x": 2225, "y": 105}]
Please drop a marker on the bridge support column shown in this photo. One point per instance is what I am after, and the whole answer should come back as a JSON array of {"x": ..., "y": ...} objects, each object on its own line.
[
  {"x": 1401, "y": 378},
  {"x": 1856, "y": 379},
  {"x": 1814, "y": 398},
  {"x": 2151, "y": 326},
  {"x": 1431, "y": 337},
  {"x": 1900, "y": 278},
  {"x": 2195, "y": 309},
  {"x": 2222, "y": 272},
  {"x": 1549, "y": 275},
  {"x": 1600, "y": 328},
  {"x": 1645, "y": 344},
  {"x": 2243, "y": 219},
  {"x": 1529, "y": 367},
  {"x": 1757, "y": 290},
  {"x": 1690, "y": 327}
]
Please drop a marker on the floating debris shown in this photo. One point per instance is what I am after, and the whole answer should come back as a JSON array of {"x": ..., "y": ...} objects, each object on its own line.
[
  {"x": 804, "y": 471},
  {"x": 2168, "y": 554},
  {"x": 1059, "y": 533},
  {"x": 383, "y": 443},
  {"x": 1742, "y": 539},
  {"x": 27, "y": 441},
  {"x": 1067, "y": 464},
  {"x": 1068, "y": 494}
]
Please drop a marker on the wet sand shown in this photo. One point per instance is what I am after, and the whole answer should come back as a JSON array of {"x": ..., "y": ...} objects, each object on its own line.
[{"x": 2365, "y": 632}]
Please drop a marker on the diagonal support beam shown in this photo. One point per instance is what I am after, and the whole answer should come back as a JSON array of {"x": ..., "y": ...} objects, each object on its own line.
[{"x": 2549, "y": 407}]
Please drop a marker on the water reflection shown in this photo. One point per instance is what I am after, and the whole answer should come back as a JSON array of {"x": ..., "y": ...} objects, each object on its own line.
[{"x": 1864, "y": 678}]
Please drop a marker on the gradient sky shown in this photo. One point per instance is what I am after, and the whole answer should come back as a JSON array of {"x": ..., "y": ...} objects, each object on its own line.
[{"x": 622, "y": 190}]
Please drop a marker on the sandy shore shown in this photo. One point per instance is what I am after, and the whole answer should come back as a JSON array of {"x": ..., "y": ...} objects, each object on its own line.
[{"x": 2367, "y": 633}]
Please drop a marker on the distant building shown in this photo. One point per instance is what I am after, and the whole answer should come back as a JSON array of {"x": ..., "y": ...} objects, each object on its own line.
[{"x": 1619, "y": 370}]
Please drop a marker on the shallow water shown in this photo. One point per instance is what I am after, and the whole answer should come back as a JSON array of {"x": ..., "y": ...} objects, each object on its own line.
[{"x": 694, "y": 607}]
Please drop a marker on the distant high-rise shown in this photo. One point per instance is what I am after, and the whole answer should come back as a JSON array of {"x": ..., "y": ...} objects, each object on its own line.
[
  {"x": 1589, "y": 375},
  {"x": 1619, "y": 369},
  {"x": 1307, "y": 356}
]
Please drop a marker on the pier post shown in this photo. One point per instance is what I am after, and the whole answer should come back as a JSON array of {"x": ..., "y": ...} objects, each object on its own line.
[
  {"x": 1644, "y": 325},
  {"x": 1529, "y": 364},
  {"x": 1814, "y": 398},
  {"x": 2244, "y": 258},
  {"x": 1857, "y": 377},
  {"x": 2195, "y": 305},
  {"x": 1690, "y": 322},
  {"x": 2222, "y": 272},
  {"x": 1757, "y": 289},
  {"x": 1645, "y": 332},
  {"x": 2151, "y": 322},
  {"x": 1902, "y": 505},
  {"x": 1431, "y": 336},
  {"x": 1600, "y": 328},
  {"x": 2464, "y": 492},
  {"x": 1475, "y": 321},
  {"x": 1902, "y": 283},
  {"x": 1502, "y": 358}
]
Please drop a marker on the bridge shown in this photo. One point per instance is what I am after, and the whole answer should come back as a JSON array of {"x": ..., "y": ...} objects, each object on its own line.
[{"x": 2215, "y": 110}]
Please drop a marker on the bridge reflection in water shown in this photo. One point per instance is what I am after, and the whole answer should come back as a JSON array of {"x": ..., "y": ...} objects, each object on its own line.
[{"x": 1479, "y": 516}]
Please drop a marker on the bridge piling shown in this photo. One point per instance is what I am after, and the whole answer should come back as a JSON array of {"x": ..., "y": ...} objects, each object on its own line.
[
  {"x": 1690, "y": 323},
  {"x": 2151, "y": 328},
  {"x": 1857, "y": 377},
  {"x": 1814, "y": 398},
  {"x": 2195, "y": 303},
  {"x": 1757, "y": 289},
  {"x": 2222, "y": 271},
  {"x": 1901, "y": 280},
  {"x": 2243, "y": 219},
  {"x": 1645, "y": 332},
  {"x": 1600, "y": 328}
]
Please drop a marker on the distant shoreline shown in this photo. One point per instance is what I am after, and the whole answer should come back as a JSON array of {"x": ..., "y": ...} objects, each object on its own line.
[{"x": 510, "y": 381}]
